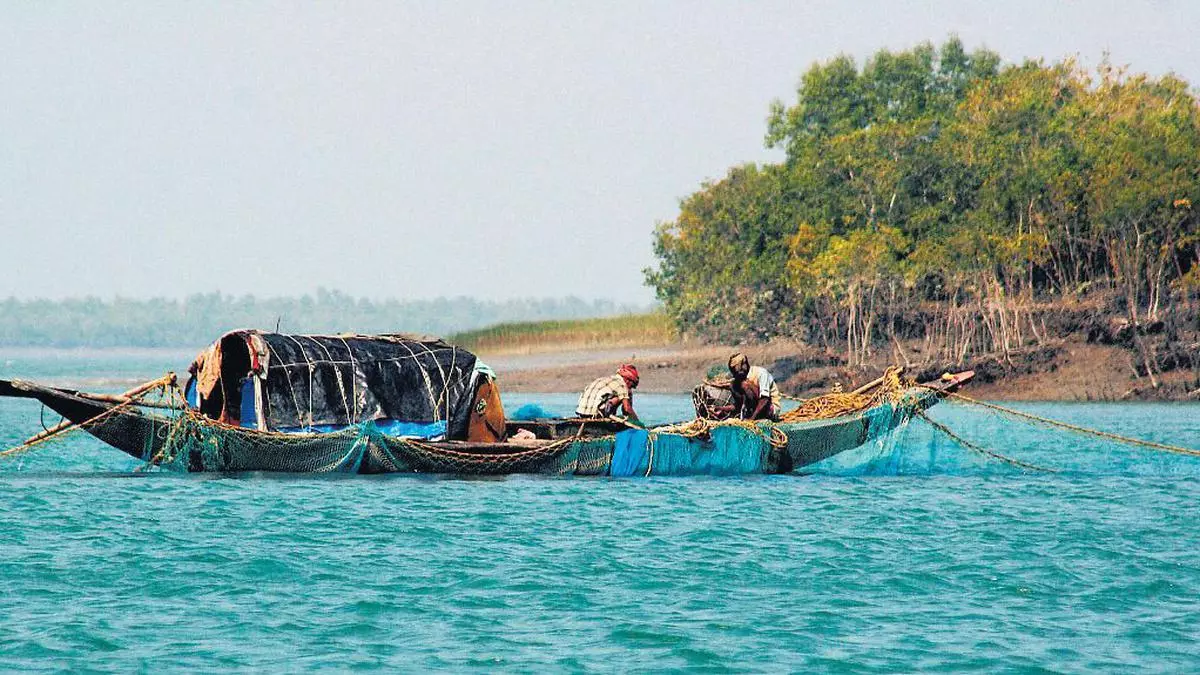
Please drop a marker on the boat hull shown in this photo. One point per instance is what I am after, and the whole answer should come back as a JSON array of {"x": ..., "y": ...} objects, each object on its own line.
[{"x": 188, "y": 442}]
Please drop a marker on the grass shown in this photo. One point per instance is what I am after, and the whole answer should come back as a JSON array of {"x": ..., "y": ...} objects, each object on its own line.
[{"x": 631, "y": 330}]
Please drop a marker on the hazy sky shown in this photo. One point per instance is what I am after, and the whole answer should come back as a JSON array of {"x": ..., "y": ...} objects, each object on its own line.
[{"x": 420, "y": 149}]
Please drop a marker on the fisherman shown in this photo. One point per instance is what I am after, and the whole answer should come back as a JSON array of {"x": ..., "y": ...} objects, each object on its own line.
[
  {"x": 755, "y": 394},
  {"x": 609, "y": 395}
]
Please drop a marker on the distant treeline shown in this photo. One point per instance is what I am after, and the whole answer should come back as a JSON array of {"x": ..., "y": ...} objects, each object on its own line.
[
  {"x": 198, "y": 319},
  {"x": 937, "y": 194}
]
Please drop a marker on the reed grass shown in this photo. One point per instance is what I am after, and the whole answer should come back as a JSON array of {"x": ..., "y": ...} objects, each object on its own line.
[{"x": 640, "y": 330}]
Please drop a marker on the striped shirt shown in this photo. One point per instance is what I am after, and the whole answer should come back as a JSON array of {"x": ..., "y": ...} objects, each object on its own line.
[{"x": 603, "y": 397}]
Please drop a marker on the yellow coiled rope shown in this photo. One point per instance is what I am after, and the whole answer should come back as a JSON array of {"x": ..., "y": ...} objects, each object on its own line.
[
  {"x": 702, "y": 427},
  {"x": 836, "y": 404}
]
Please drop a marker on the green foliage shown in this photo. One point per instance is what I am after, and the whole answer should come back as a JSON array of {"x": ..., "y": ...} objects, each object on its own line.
[
  {"x": 935, "y": 174},
  {"x": 617, "y": 331},
  {"x": 730, "y": 238}
]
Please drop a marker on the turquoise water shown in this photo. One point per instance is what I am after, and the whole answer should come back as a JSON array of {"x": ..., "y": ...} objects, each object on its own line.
[{"x": 915, "y": 555}]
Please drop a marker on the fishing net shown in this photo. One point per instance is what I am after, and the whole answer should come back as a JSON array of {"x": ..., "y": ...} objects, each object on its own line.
[
  {"x": 194, "y": 443},
  {"x": 190, "y": 442},
  {"x": 726, "y": 450},
  {"x": 712, "y": 401},
  {"x": 176, "y": 436}
]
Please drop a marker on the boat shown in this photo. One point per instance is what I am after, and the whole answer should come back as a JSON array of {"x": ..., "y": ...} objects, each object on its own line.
[{"x": 257, "y": 401}]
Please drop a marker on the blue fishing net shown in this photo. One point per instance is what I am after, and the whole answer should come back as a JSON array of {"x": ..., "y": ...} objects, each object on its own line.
[
  {"x": 530, "y": 411},
  {"x": 725, "y": 451}
]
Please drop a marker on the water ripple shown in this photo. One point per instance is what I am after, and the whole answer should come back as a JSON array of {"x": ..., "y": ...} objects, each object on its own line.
[{"x": 913, "y": 556}]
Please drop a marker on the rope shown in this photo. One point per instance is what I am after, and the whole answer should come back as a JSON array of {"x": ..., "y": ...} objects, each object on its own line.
[
  {"x": 425, "y": 376},
  {"x": 448, "y": 455},
  {"x": 311, "y": 370},
  {"x": 455, "y": 460},
  {"x": 702, "y": 427},
  {"x": 337, "y": 374},
  {"x": 287, "y": 377},
  {"x": 980, "y": 449},
  {"x": 42, "y": 418},
  {"x": 837, "y": 404},
  {"x": 155, "y": 385},
  {"x": 1078, "y": 429},
  {"x": 353, "y": 379},
  {"x": 178, "y": 399},
  {"x": 650, "y": 459}
]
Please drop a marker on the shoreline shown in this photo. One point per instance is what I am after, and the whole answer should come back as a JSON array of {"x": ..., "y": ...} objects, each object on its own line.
[{"x": 1066, "y": 372}]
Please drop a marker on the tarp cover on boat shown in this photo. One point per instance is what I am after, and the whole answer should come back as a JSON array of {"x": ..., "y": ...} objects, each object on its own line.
[{"x": 319, "y": 382}]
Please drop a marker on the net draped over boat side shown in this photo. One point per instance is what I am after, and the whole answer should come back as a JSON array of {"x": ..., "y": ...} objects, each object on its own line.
[
  {"x": 192, "y": 442},
  {"x": 184, "y": 438},
  {"x": 725, "y": 450}
]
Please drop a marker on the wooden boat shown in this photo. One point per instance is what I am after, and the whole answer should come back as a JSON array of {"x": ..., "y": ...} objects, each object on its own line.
[{"x": 356, "y": 397}]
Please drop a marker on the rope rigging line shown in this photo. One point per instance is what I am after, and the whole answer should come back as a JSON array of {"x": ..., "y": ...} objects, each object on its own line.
[
  {"x": 159, "y": 385},
  {"x": 353, "y": 379},
  {"x": 980, "y": 449},
  {"x": 1078, "y": 429},
  {"x": 311, "y": 370},
  {"x": 287, "y": 377},
  {"x": 337, "y": 374},
  {"x": 433, "y": 402}
]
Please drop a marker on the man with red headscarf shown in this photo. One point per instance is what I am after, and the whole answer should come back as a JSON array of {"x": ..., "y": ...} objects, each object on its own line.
[{"x": 609, "y": 395}]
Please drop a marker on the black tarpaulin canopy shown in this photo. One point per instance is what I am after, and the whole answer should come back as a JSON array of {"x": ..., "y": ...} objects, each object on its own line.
[{"x": 322, "y": 381}]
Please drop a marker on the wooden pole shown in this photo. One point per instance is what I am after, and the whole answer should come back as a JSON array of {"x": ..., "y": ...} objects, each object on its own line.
[
  {"x": 874, "y": 383},
  {"x": 120, "y": 400}
]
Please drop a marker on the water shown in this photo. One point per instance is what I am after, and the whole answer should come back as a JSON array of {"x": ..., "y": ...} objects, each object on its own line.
[{"x": 914, "y": 555}]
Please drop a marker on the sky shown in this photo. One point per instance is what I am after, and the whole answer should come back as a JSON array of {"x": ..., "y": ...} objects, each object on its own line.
[{"x": 413, "y": 150}]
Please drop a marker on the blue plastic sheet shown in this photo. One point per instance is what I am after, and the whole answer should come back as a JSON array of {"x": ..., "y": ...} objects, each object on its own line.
[
  {"x": 249, "y": 411},
  {"x": 630, "y": 453},
  {"x": 729, "y": 451}
]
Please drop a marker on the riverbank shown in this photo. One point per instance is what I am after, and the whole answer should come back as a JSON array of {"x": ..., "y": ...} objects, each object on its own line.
[{"x": 1066, "y": 371}]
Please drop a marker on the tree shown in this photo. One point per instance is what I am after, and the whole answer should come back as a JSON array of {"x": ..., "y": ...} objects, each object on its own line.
[{"x": 935, "y": 194}]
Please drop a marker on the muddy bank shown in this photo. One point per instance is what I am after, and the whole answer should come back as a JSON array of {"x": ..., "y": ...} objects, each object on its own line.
[
  {"x": 663, "y": 369},
  {"x": 1072, "y": 370}
]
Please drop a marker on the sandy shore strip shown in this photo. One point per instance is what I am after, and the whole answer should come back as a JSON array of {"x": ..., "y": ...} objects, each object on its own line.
[
  {"x": 664, "y": 370},
  {"x": 1076, "y": 372}
]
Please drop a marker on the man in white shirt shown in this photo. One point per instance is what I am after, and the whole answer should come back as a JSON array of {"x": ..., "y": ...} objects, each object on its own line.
[{"x": 755, "y": 394}]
